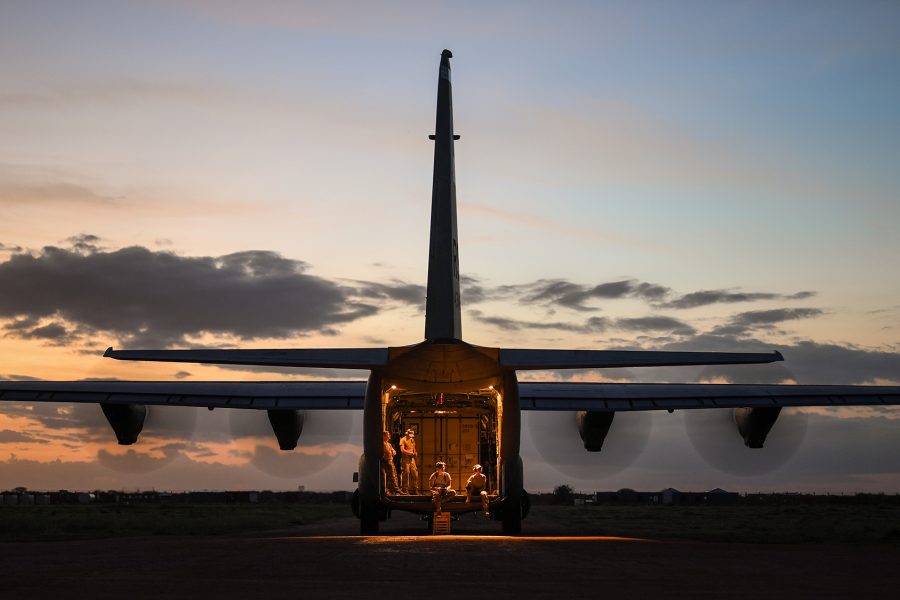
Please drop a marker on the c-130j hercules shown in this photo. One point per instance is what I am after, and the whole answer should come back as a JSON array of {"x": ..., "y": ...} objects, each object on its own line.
[{"x": 426, "y": 385}]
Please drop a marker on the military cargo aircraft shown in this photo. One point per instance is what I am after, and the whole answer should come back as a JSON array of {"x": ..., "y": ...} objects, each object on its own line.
[{"x": 465, "y": 401}]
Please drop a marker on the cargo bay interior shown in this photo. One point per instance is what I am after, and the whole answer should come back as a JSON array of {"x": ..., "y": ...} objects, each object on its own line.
[{"x": 458, "y": 429}]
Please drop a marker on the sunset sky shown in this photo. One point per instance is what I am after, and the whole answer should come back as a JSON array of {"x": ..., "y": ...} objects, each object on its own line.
[{"x": 696, "y": 175}]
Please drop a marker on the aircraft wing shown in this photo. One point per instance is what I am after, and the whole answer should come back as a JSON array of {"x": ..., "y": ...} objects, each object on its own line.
[
  {"x": 259, "y": 395},
  {"x": 537, "y": 359},
  {"x": 665, "y": 396},
  {"x": 336, "y": 358}
]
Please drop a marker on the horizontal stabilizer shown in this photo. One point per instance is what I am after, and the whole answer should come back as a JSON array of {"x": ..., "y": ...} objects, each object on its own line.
[
  {"x": 260, "y": 395},
  {"x": 531, "y": 360},
  {"x": 672, "y": 396},
  {"x": 335, "y": 358}
]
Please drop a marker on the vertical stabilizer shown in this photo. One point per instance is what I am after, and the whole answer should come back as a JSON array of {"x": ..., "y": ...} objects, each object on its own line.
[{"x": 442, "y": 309}]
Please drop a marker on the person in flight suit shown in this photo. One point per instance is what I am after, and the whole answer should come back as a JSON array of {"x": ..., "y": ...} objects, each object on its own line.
[
  {"x": 409, "y": 473},
  {"x": 387, "y": 466},
  {"x": 477, "y": 486},
  {"x": 439, "y": 482}
]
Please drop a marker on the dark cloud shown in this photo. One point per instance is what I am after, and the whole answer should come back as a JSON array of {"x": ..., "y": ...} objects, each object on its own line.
[
  {"x": 774, "y": 373},
  {"x": 597, "y": 324},
  {"x": 182, "y": 375},
  {"x": 84, "y": 243},
  {"x": 8, "y": 248},
  {"x": 145, "y": 296},
  {"x": 650, "y": 292},
  {"x": 707, "y": 297},
  {"x": 655, "y": 323},
  {"x": 9, "y": 436},
  {"x": 829, "y": 363},
  {"x": 807, "y": 362},
  {"x": 800, "y": 295},
  {"x": 56, "y": 418},
  {"x": 405, "y": 293},
  {"x": 471, "y": 290},
  {"x": 575, "y": 296},
  {"x": 53, "y": 332},
  {"x": 590, "y": 325},
  {"x": 613, "y": 289},
  {"x": 22, "y": 325},
  {"x": 14, "y": 377},
  {"x": 559, "y": 292},
  {"x": 757, "y": 318},
  {"x": 594, "y": 324},
  {"x": 132, "y": 461},
  {"x": 744, "y": 323}
]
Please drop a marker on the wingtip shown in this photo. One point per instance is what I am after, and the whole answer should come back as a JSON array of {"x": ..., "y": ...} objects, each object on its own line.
[
  {"x": 108, "y": 352},
  {"x": 446, "y": 54},
  {"x": 778, "y": 356}
]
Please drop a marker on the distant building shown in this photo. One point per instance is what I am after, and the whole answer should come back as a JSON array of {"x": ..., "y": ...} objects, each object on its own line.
[
  {"x": 720, "y": 496},
  {"x": 666, "y": 497},
  {"x": 670, "y": 496}
]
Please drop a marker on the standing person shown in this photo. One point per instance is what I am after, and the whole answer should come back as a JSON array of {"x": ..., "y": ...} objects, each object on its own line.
[
  {"x": 387, "y": 466},
  {"x": 439, "y": 482},
  {"x": 477, "y": 486},
  {"x": 409, "y": 473}
]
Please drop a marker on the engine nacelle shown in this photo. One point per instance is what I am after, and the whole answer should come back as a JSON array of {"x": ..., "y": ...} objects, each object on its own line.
[
  {"x": 593, "y": 425},
  {"x": 126, "y": 420},
  {"x": 287, "y": 425},
  {"x": 755, "y": 423}
]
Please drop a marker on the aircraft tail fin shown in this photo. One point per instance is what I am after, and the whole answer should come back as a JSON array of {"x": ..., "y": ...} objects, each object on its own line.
[{"x": 442, "y": 305}]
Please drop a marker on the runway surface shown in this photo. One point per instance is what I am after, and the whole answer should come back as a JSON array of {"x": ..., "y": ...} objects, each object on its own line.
[{"x": 330, "y": 561}]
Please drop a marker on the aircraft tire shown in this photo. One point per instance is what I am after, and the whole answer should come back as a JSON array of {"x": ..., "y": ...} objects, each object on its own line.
[
  {"x": 512, "y": 521},
  {"x": 368, "y": 519}
]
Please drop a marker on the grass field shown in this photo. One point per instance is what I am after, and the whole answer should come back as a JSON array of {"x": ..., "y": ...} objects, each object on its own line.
[
  {"x": 36, "y": 523},
  {"x": 741, "y": 523},
  {"x": 744, "y": 524}
]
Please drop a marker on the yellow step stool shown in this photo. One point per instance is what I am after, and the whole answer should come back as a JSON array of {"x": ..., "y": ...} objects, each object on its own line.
[{"x": 441, "y": 523}]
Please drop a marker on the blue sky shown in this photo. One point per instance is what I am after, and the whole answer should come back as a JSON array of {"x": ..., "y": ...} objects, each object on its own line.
[{"x": 732, "y": 147}]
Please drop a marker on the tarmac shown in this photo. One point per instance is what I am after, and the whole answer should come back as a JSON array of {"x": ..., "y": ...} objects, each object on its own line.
[{"x": 329, "y": 560}]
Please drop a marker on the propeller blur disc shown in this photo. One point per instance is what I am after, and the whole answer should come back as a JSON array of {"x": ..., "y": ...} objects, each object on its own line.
[
  {"x": 326, "y": 434},
  {"x": 715, "y": 437},
  {"x": 555, "y": 436},
  {"x": 167, "y": 430}
]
